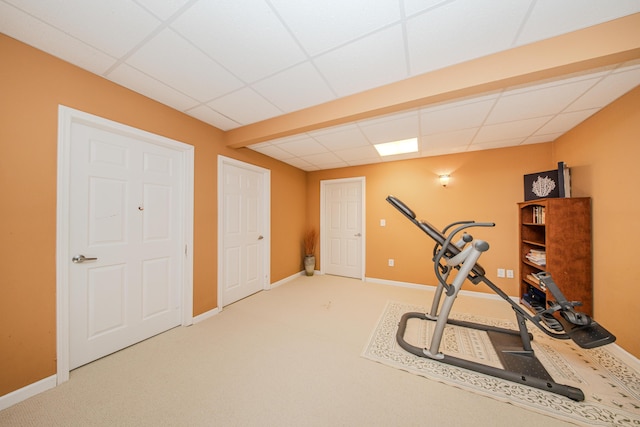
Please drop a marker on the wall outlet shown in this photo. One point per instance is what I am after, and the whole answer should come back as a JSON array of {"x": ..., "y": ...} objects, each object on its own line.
[
  {"x": 391, "y": 262},
  {"x": 383, "y": 222},
  {"x": 509, "y": 274},
  {"x": 501, "y": 272}
]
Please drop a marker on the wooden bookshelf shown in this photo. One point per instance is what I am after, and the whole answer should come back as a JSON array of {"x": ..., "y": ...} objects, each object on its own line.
[{"x": 561, "y": 228}]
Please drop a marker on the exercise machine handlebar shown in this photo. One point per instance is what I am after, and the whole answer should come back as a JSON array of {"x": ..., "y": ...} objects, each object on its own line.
[{"x": 452, "y": 259}]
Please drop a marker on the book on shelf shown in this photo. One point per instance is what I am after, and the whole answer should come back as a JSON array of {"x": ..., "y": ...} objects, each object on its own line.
[
  {"x": 533, "y": 279},
  {"x": 538, "y": 214},
  {"x": 537, "y": 257}
]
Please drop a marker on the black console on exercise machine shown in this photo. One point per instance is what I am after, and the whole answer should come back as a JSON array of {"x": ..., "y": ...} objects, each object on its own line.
[{"x": 513, "y": 347}]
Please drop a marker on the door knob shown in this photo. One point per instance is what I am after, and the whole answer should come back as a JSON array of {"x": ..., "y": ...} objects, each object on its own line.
[
  {"x": 81, "y": 258},
  {"x": 260, "y": 237},
  {"x": 358, "y": 234}
]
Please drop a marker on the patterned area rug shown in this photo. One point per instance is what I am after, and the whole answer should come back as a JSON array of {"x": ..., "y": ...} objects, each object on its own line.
[{"x": 611, "y": 385}]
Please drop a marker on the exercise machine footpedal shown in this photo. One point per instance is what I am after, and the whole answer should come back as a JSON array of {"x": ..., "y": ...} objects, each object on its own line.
[
  {"x": 546, "y": 318},
  {"x": 559, "y": 320},
  {"x": 581, "y": 328},
  {"x": 588, "y": 336}
]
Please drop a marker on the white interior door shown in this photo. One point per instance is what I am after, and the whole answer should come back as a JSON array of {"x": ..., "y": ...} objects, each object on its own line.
[
  {"x": 342, "y": 227},
  {"x": 124, "y": 212},
  {"x": 243, "y": 212}
]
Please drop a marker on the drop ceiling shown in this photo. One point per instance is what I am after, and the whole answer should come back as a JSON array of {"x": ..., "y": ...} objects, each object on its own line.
[{"x": 234, "y": 63}]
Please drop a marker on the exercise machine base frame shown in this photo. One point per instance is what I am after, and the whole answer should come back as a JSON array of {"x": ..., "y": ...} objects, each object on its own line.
[{"x": 520, "y": 365}]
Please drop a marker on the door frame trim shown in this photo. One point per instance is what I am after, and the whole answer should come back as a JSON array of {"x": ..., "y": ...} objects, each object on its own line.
[
  {"x": 323, "y": 245},
  {"x": 66, "y": 117},
  {"x": 266, "y": 199}
]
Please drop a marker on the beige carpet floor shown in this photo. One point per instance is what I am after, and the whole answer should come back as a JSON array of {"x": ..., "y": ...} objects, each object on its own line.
[
  {"x": 290, "y": 356},
  {"x": 610, "y": 384}
]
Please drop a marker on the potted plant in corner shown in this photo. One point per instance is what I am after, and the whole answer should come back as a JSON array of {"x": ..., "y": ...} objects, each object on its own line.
[{"x": 310, "y": 239}]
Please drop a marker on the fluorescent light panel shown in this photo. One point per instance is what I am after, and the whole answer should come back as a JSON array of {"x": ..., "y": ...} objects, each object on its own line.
[{"x": 397, "y": 147}]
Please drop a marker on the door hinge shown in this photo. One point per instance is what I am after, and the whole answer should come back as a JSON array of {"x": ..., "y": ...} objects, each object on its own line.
[{"x": 185, "y": 250}]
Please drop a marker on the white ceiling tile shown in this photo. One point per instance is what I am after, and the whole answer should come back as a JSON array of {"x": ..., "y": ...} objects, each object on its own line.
[
  {"x": 162, "y": 9},
  {"x": 536, "y": 103},
  {"x": 459, "y": 116},
  {"x": 22, "y": 26},
  {"x": 402, "y": 126},
  {"x": 295, "y": 88},
  {"x": 551, "y": 17},
  {"x": 207, "y": 115},
  {"x": 564, "y": 122},
  {"x": 443, "y": 150},
  {"x": 495, "y": 144},
  {"x": 169, "y": 58},
  {"x": 271, "y": 151},
  {"x": 302, "y": 147},
  {"x": 369, "y": 62},
  {"x": 449, "y": 140},
  {"x": 245, "y": 37},
  {"x": 537, "y": 139},
  {"x": 245, "y": 106},
  {"x": 516, "y": 129},
  {"x": 125, "y": 22},
  {"x": 460, "y": 31},
  {"x": 357, "y": 153},
  {"x": 340, "y": 138},
  {"x": 399, "y": 157},
  {"x": 411, "y": 7},
  {"x": 364, "y": 161},
  {"x": 135, "y": 80},
  {"x": 323, "y": 25},
  {"x": 607, "y": 90},
  {"x": 301, "y": 164},
  {"x": 325, "y": 160}
]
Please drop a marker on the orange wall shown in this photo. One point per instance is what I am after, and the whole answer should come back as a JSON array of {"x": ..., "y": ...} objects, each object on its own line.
[
  {"x": 485, "y": 186},
  {"x": 32, "y": 84},
  {"x": 603, "y": 154}
]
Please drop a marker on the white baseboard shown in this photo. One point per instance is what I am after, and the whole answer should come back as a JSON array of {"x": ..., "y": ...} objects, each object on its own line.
[
  {"x": 400, "y": 284},
  {"x": 206, "y": 315},
  {"x": 473, "y": 294},
  {"x": 288, "y": 279},
  {"x": 217, "y": 310},
  {"x": 26, "y": 392}
]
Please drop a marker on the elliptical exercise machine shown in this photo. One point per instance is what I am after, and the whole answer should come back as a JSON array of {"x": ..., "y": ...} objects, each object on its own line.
[{"x": 512, "y": 347}]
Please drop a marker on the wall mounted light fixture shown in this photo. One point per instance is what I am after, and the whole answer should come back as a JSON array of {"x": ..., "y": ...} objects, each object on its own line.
[{"x": 444, "y": 180}]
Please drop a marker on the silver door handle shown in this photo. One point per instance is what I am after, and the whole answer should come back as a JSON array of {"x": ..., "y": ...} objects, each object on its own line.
[
  {"x": 358, "y": 235},
  {"x": 81, "y": 258},
  {"x": 260, "y": 237}
]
